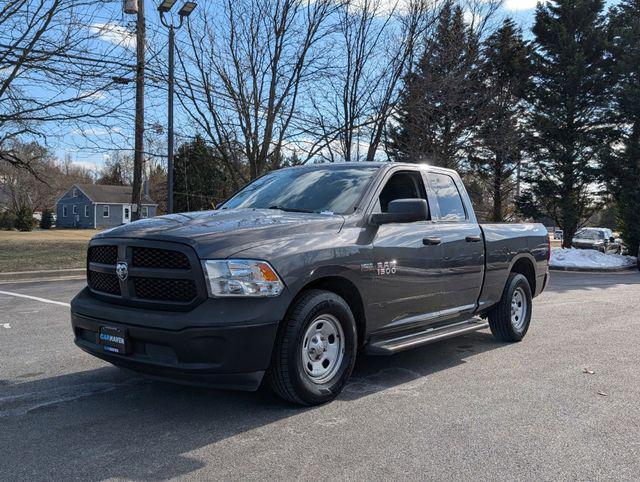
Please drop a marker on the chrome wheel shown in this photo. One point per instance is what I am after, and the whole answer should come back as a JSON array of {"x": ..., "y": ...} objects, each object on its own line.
[
  {"x": 518, "y": 309},
  {"x": 323, "y": 348}
]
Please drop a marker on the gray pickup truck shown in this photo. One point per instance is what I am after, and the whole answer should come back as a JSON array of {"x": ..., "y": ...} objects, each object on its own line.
[{"x": 297, "y": 272}]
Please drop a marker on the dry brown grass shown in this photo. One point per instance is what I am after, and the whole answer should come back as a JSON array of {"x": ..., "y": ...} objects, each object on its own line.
[{"x": 42, "y": 250}]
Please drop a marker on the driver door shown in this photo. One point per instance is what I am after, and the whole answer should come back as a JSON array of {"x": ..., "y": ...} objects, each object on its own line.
[{"x": 407, "y": 258}]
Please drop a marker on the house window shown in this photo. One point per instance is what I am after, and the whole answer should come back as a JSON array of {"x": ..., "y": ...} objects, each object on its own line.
[
  {"x": 75, "y": 209},
  {"x": 105, "y": 211},
  {"x": 145, "y": 211},
  {"x": 75, "y": 192},
  {"x": 86, "y": 211},
  {"x": 64, "y": 211}
]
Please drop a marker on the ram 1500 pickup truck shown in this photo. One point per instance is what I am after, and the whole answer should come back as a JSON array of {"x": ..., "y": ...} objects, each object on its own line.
[{"x": 301, "y": 269}]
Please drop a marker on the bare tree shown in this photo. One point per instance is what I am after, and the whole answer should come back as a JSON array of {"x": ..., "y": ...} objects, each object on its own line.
[
  {"x": 23, "y": 190},
  {"x": 53, "y": 74},
  {"x": 376, "y": 44},
  {"x": 246, "y": 72}
]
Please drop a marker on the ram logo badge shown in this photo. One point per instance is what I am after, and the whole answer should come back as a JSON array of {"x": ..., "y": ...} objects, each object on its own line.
[{"x": 122, "y": 270}]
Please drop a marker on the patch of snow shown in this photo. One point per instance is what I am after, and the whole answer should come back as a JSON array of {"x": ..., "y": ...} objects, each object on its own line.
[{"x": 588, "y": 258}]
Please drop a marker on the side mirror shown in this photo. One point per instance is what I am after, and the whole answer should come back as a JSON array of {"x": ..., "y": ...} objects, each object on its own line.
[
  {"x": 612, "y": 239},
  {"x": 402, "y": 211}
]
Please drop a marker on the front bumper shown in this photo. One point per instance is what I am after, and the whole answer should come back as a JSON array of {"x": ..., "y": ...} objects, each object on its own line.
[{"x": 197, "y": 351}]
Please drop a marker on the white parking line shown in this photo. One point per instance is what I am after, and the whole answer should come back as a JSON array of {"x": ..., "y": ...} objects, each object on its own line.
[{"x": 43, "y": 300}]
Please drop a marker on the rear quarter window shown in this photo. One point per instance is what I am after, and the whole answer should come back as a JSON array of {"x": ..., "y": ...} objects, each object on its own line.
[{"x": 448, "y": 197}]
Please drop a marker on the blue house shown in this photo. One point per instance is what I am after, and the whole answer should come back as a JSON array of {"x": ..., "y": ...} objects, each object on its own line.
[{"x": 99, "y": 206}]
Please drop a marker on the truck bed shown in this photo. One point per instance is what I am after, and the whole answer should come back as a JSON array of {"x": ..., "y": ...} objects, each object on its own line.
[{"x": 505, "y": 245}]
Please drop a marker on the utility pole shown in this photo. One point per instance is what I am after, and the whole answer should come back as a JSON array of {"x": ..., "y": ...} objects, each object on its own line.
[
  {"x": 165, "y": 8},
  {"x": 139, "y": 127}
]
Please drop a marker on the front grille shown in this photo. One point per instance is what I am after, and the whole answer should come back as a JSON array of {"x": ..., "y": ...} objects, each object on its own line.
[
  {"x": 176, "y": 290},
  {"x": 161, "y": 275},
  {"x": 103, "y": 254},
  {"x": 105, "y": 282},
  {"x": 159, "y": 258}
]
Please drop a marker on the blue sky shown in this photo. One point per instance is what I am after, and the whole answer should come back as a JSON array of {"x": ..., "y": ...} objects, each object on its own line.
[{"x": 90, "y": 148}]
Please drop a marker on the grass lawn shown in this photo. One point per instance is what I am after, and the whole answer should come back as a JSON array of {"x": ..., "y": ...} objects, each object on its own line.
[{"x": 47, "y": 249}]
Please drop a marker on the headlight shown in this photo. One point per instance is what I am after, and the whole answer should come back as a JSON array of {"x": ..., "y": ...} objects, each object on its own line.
[{"x": 241, "y": 277}]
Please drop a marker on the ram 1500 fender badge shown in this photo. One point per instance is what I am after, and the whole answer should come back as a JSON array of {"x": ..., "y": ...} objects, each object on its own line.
[{"x": 386, "y": 267}]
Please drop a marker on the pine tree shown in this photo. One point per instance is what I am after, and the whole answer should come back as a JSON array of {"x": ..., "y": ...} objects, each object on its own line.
[
  {"x": 199, "y": 181},
  {"x": 622, "y": 166},
  {"x": 46, "y": 221},
  {"x": 440, "y": 99},
  {"x": 500, "y": 137},
  {"x": 569, "y": 100}
]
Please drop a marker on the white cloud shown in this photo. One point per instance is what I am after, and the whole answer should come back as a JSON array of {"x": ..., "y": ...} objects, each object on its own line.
[
  {"x": 93, "y": 95},
  {"x": 88, "y": 165},
  {"x": 520, "y": 4},
  {"x": 115, "y": 34}
]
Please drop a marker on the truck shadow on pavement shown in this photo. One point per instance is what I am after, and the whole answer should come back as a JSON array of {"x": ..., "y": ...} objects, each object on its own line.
[{"x": 108, "y": 423}]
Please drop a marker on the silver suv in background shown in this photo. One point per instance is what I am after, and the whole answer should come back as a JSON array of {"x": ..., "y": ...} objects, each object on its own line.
[{"x": 600, "y": 239}]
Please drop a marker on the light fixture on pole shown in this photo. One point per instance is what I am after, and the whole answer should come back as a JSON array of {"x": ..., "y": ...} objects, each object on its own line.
[{"x": 164, "y": 8}]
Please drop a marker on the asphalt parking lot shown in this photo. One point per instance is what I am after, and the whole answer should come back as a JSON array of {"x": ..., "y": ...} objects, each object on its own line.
[{"x": 563, "y": 404}]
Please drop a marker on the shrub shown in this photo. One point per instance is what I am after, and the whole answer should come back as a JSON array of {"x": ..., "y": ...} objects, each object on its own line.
[
  {"x": 24, "y": 219},
  {"x": 47, "y": 219},
  {"x": 7, "y": 220}
]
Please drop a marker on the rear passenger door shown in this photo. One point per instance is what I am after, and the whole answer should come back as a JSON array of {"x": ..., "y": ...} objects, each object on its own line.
[{"x": 462, "y": 244}]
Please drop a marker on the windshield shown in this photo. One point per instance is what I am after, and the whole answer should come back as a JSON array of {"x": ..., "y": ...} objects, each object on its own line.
[
  {"x": 316, "y": 189},
  {"x": 591, "y": 234}
]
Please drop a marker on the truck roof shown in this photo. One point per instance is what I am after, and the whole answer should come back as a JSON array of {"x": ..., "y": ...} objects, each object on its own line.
[{"x": 365, "y": 164}]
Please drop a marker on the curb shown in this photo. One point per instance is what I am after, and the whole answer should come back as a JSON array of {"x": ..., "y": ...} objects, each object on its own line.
[
  {"x": 593, "y": 270},
  {"x": 52, "y": 273}
]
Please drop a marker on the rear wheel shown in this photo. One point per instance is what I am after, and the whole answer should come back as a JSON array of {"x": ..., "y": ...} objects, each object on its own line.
[
  {"x": 509, "y": 320},
  {"x": 315, "y": 350}
]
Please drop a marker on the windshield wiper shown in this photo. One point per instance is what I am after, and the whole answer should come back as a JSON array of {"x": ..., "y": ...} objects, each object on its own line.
[{"x": 291, "y": 210}]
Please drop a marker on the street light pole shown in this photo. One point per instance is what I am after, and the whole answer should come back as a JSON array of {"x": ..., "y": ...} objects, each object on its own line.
[
  {"x": 164, "y": 8},
  {"x": 170, "y": 124}
]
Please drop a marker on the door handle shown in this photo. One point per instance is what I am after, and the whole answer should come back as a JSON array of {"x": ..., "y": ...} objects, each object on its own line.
[
  {"x": 431, "y": 241},
  {"x": 473, "y": 239}
]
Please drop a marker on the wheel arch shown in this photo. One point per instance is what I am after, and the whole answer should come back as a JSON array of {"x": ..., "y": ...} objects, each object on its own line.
[
  {"x": 525, "y": 265},
  {"x": 347, "y": 289}
]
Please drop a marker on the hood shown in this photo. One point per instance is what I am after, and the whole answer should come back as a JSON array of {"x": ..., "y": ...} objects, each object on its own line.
[{"x": 224, "y": 232}]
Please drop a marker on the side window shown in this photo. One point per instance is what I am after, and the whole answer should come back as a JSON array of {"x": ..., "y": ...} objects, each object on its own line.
[
  {"x": 105, "y": 211},
  {"x": 64, "y": 211},
  {"x": 449, "y": 200},
  {"x": 402, "y": 185}
]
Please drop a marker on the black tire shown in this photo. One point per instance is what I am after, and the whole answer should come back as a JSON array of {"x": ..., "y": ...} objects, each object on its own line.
[
  {"x": 287, "y": 375},
  {"x": 502, "y": 326}
]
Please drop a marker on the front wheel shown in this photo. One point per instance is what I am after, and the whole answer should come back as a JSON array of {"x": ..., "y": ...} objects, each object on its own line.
[
  {"x": 315, "y": 350},
  {"x": 509, "y": 320}
]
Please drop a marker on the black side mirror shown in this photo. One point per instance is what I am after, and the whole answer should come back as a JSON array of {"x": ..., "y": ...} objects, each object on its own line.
[
  {"x": 402, "y": 211},
  {"x": 612, "y": 239}
]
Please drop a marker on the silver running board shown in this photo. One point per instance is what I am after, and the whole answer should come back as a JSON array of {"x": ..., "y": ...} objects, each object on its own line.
[{"x": 430, "y": 335}]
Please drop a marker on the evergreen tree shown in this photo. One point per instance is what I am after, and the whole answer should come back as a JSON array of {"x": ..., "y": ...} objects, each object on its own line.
[
  {"x": 569, "y": 100},
  {"x": 200, "y": 180},
  {"x": 622, "y": 165},
  {"x": 500, "y": 137},
  {"x": 440, "y": 99},
  {"x": 46, "y": 221}
]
